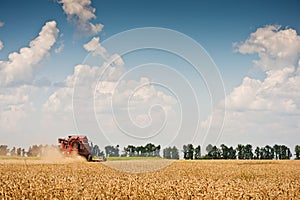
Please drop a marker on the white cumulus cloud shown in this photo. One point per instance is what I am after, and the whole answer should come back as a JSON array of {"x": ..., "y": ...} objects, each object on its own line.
[
  {"x": 266, "y": 110},
  {"x": 276, "y": 48},
  {"x": 81, "y": 12},
  {"x": 21, "y": 65},
  {"x": 279, "y": 53},
  {"x": 1, "y": 45},
  {"x": 94, "y": 46},
  {"x": 84, "y": 79}
]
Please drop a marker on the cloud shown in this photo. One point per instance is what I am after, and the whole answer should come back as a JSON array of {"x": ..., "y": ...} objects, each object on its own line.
[
  {"x": 42, "y": 82},
  {"x": 60, "y": 101},
  {"x": 15, "y": 106},
  {"x": 81, "y": 12},
  {"x": 267, "y": 110},
  {"x": 84, "y": 79},
  {"x": 276, "y": 48},
  {"x": 59, "y": 49},
  {"x": 21, "y": 66},
  {"x": 23, "y": 122},
  {"x": 96, "y": 48},
  {"x": 279, "y": 53},
  {"x": 95, "y": 93},
  {"x": 278, "y": 92},
  {"x": 1, "y": 45}
]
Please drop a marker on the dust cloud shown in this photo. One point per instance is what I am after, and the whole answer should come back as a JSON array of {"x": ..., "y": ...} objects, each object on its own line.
[{"x": 53, "y": 155}]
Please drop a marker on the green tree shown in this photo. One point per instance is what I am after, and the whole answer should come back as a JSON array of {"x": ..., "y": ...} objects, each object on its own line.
[
  {"x": 150, "y": 149},
  {"x": 276, "y": 151},
  {"x": 171, "y": 153},
  {"x": 241, "y": 151},
  {"x": 270, "y": 152},
  {"x": 224, "y": 151},
  {"x": 262, "y": 153},
  {"x": 175, "y": 153},
  {"x": 19, "y": 151},
  {"x": 285, "y": 152},
  {"x": 267, "y": 152},
  {"x": 34, "y": 151},
  {"x": 140, "y": 151},
  {"x": 248, "y": 152},
  {"x": 215, "y": 153},
  {"x": 112, "y": 151},
  {"x": 117, "y": 151},
  {"x": 197, "y": 152},
  {"x": 157, "y": 151},
  {"x": 23, "y": 152},
  {"x": 96, "y": 151},
  {"x": 208, "y": 148},
  {"x": 188, "y": 152},
  {"x": 13, "y": 152},
  {"x": 167, "y": 153},
  {"x": 185, "y": 151},
  {"x": 232, "y": 153},
  {"x": 297, "y": 152},
  {"x": 131, "y": 150},
  {"x": 257, "y": 153}
]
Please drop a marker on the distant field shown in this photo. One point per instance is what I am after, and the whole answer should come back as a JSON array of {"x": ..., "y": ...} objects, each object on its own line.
[
  {"x": 109, "y": 158},
  {"x": 18, "y": 158},
  {"x": 132, "y": 158},
  {"x": 205, "y": 179}
]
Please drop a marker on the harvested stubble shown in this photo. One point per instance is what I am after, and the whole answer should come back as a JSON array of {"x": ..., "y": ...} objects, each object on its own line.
[{"x": 180, "y": 180}]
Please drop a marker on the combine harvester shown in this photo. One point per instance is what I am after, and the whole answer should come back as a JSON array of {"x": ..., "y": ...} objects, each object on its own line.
[{"x": 77, "y": 145}]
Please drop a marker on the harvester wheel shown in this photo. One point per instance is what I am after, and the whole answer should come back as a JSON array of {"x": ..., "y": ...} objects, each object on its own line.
[{"x": 89, "y": 158}]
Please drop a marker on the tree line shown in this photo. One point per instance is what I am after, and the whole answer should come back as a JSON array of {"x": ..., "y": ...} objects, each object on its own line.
[
  {"x": 32, "y": 151},
  {"x": 149, "y": 150},
  {"x": 241, "y": 152}
]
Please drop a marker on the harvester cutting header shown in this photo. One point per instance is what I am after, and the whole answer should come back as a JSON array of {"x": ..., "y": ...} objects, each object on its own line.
[{"x": 77, "y": 145}]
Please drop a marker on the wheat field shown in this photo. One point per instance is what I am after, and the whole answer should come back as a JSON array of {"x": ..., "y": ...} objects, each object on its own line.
[{"x": 33, "y": 179}]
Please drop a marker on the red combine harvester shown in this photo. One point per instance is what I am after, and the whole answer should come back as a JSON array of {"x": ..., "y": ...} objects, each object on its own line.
[{"x": 77, "y": 145}]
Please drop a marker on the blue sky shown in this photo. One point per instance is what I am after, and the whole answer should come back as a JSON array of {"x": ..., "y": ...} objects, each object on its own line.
[{"x": 216, "y": 25}]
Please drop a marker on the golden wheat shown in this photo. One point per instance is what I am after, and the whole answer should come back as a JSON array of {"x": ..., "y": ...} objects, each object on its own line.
[{"x": 180, "y": 180}]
